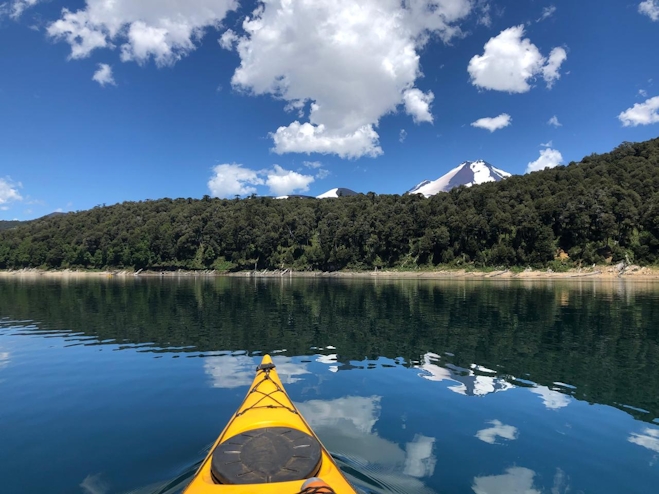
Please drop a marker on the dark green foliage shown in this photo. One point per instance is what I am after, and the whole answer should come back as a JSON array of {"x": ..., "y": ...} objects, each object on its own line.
[
  {"x": 6, "y": 225},
  {"x": 604, "y": 208}
]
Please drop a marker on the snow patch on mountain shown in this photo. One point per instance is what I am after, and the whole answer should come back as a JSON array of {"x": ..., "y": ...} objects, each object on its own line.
[
  {"x": 338, "y": 192},
  {"x": 468, "y": 173},
  {"x": 414, "y": 189},
  {"x": 295, "y": 196}
]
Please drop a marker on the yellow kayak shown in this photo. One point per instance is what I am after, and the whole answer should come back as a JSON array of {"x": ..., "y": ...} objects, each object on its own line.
[{"x": 267, "y": 447}]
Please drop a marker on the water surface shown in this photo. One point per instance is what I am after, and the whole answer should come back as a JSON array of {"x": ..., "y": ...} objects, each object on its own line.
[{"x": 117, "y": 386}]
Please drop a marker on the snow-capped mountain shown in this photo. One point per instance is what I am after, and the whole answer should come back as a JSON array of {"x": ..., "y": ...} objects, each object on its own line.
[
  {"x": 339, "y": 192},
  {"x": 415, "y": 189},
  {"x": 468, "y": 173}
]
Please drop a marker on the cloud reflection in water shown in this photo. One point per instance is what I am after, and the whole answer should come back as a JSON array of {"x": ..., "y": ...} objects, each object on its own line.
[
  {"x": 498, "y": 429},
  {"x": 649, "y": 439},
  {"x": 4, "y": 359},
  {"x": 347, "y": 428},
  {"x": 420, "y": 462},
  {"x": 94, "y": 484},
  {"x": 238, "y": 371},
  {"x": 469, "y": 383},
  {"x": 553, "y": 400},
  {"x": 472, "y": 384},
  {"x": 516, "y": 480},
  {"x": 330, "y": 360}
]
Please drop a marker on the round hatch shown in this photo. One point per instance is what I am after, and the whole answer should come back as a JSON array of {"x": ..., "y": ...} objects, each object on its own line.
[{"x": 260, "y": 456}]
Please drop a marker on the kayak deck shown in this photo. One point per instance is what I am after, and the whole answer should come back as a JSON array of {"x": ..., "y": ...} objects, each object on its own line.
[{"x": 274, "y": 448}]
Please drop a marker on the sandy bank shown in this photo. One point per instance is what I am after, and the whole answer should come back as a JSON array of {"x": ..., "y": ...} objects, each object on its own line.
[
  {"x": 598, "y": 272},
  {"x": 602, "y": 272}
]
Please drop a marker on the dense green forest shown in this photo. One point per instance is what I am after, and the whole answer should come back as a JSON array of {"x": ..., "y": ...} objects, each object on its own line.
[
  {"x": 603, "y": 208},
  {"x": 5, "y": 225}
]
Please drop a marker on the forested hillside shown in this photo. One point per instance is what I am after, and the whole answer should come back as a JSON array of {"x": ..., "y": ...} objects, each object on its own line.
[
  {"x": 604, "y": 208},
  {"x": 5, "y": 225}
]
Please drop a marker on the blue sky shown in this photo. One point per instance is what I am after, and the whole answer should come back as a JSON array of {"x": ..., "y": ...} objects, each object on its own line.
[{"x": 103, "y": 102}]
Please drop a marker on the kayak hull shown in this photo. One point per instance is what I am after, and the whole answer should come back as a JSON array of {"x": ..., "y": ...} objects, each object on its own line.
[{"x": 266, "y": 405}]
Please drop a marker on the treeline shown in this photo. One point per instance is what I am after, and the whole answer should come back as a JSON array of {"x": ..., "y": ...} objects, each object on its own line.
[
  {"x": 6, "y": 225},
  {"x": 604, "y": 208}
]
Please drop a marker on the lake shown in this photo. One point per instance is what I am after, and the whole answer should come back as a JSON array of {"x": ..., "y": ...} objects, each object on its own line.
[{"x": 415, "y": 386}]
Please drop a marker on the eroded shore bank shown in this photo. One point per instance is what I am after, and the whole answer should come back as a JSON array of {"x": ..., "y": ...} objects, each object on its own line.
[{"x": 607, "y": 272}]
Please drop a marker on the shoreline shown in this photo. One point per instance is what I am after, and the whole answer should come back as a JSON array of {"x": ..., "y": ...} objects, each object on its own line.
[{"x": 636, "y": 273}]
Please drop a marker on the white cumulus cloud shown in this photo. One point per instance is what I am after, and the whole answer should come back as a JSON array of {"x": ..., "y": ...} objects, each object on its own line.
[
  {"x": 103, "y": 75},
  {"x": 308, "y": 138},
  {"x": 554, "y": 121},
  {"x": 284, "y": 182},
  {"x": 9, "y": 191},
  {"x": 228, "y": 39},
  {"x": 547, "y": 12},
  {"x": 510, "y": 62},
  {"x": 641, "y": 113},
  {"x": 650, "y": 8},
  {"x": 229, "y": 180},
  {"x": 493, "y": 123},
  {"x": 550, "y": 71},
  {"x": 321, "y": 173},
  {"x": 417, "y": 104},
  {"x": 16, "y": 8},
  {"x": 549, "y": 158},
  {"x": 233, "y": 179},
  {"x": 343, "y": 64},
  {"x": 485, "y": 18},
  {"x": 163, "y": 30}
]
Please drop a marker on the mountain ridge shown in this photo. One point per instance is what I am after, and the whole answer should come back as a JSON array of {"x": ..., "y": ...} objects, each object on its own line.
[
  {"x": 602, "y": 209},
  {"x": 337, "y": 192},
  {"x": 467, "y": 173}
]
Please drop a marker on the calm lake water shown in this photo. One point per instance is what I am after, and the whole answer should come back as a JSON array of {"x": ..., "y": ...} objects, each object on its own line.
[{"x": 118, "y": 386}]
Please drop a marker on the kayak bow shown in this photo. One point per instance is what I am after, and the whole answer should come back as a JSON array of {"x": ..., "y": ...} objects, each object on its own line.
[{"x": 267, "y": 447}]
